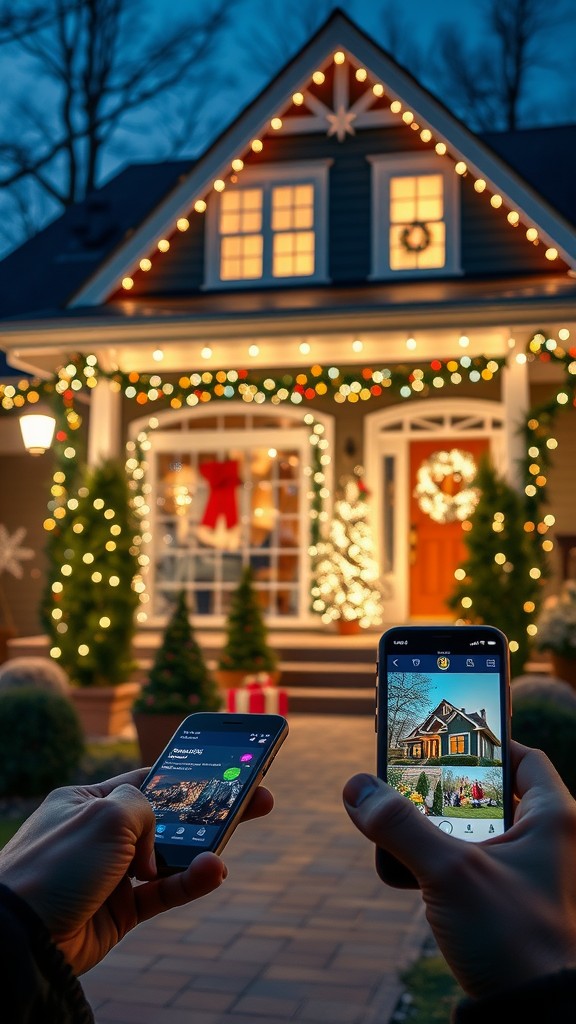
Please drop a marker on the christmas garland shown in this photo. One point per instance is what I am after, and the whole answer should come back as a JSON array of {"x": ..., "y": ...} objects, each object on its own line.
[{"x": 436, "y": 503}]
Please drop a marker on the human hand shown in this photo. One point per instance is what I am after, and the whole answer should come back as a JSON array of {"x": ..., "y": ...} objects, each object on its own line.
[
  {"x": 73, "y": 859},
  {"x": 503, "y": 911}
]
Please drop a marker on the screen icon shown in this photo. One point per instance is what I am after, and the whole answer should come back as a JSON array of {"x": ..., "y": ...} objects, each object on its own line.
[
  {"x": 415, "y": 662},
  {"x": 231, "y": 773},
  {"x": 443, "y": 663},
  {"x": 469, "y": 662},
  {"x": 490, "y": 663}
]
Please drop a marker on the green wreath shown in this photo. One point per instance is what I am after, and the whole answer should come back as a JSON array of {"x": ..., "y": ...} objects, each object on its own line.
[{"x": 416, "y": 237}]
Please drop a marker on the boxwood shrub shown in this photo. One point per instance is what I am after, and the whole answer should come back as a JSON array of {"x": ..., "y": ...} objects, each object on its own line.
[{"x": 41, "y": 742}]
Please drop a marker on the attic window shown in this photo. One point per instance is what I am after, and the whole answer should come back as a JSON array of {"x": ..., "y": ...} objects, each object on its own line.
[
  {"x": 270, "y": 228},
  {"x": 415, "y": 216}
]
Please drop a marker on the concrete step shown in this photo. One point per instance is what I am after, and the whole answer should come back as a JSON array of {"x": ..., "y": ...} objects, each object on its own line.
[{"x": 324, "y": 701}]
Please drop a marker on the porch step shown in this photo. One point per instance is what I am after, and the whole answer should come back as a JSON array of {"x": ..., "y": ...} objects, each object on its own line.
[{"x": 327, "y": 701}]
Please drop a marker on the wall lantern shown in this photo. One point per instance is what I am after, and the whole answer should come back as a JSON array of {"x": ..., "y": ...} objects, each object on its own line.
[{"x": 37, "y": 432}]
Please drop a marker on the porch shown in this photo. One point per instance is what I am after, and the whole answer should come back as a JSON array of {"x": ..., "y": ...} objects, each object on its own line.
[{"x": 323, "y": 672}]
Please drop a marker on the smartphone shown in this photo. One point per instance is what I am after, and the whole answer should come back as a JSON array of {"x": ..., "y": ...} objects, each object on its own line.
[
  {"x": 443, "y": 726},
  {"x": 204, "y": 779}
]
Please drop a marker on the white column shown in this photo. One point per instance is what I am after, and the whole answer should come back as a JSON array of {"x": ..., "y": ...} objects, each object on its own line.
[
  {"x": 104, "y": 428},
  {"x": 516, "y": 401}
]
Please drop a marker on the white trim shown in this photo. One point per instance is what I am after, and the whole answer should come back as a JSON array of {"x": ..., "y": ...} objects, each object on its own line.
[
  {"x": 388, "y": 432},
  {"x": 254, "y": 121},
  {"x": 386, "y": 166},
  {"x": 267, "y": 176},
  {"x": 163, "y": 440}
]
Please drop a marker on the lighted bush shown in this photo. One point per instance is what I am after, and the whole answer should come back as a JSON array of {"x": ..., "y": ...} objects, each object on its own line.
[{"x": 41, "y": 742}]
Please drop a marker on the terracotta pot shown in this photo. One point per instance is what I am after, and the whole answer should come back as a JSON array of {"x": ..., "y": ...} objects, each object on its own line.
[
  {"x": 348, "y": 627},
  {"x": 153, "y": 732},
  {"x": 6, "y": 634},
  {"x": 105, "y": 710},
  {"x": 564, "y": 668}
]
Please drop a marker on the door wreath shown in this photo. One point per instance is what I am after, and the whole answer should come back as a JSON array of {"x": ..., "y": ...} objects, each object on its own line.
[{"x": 433, "y": 493}]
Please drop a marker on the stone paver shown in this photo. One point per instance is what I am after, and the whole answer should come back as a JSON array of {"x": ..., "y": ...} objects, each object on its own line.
[{"x": 302, "y": 930}]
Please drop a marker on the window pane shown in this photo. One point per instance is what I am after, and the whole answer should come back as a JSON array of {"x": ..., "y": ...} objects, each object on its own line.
[
  {"x": 293, "y": 254},
  {"x": 403, "y": 212},
  {"x": 401, "y": 188},
  {"x": 241, "y": 258}
]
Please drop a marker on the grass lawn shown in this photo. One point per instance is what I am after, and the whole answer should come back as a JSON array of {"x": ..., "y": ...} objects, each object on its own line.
[
  {"x": 431, "y": 993},
  {"x": 473, "y": 812}
]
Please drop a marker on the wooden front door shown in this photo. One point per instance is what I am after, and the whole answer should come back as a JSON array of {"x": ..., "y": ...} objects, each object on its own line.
[{"x": 436, "y": 549}]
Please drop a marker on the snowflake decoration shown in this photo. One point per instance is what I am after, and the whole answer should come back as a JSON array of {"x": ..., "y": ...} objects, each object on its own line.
[{"x": 11, "y": 554}]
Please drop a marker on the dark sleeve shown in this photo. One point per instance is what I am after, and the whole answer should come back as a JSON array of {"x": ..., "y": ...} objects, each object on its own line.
[
  {"x": 37, "y": 985},
  {"x": 548, "y": 1000}
]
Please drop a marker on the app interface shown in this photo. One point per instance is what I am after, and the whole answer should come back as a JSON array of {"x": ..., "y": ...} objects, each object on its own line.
[
  {"x": 444, "y": 737},
  {"x": 199, "y": 782}
]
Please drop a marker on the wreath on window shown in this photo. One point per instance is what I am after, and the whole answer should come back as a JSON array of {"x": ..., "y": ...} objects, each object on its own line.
[
  {"x": 443, "y": 489},
  {"x": 416, "y": 237}
]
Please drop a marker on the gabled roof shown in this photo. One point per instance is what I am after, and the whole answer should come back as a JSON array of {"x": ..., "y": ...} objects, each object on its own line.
[
  {"x": 83, "y": 262},
  {"x": 476, "y": 720}
]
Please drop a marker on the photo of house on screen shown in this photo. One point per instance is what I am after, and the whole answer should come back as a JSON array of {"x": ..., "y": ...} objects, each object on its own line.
[{"x": 449, "y": 732}]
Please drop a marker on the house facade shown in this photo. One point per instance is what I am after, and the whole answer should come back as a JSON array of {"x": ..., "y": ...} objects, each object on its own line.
[
  {"x": 449, "y": 731},
  {"x": 347, "y": 277}
]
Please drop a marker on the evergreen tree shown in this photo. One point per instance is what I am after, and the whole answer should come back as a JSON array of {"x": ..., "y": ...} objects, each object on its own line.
[
  {"x": 496, "y": 587},
  {"x": 89, "y": 606},
  {"x": 246, "y": 647},
  {"x": 437, "y": 801},
  {"x": 347, "y": 584},
  {"x": 179, "y": 681},
  {"x": 423, "y": 785}
]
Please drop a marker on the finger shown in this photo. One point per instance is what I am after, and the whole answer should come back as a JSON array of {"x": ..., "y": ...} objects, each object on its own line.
[
  {"x": 205, "y": 873},
  {"x": 261, "y": 803},
  {"x": 134, "y": 778},
  {"x": 393, "y": 823},
  {"x": 139, "y": 818}
]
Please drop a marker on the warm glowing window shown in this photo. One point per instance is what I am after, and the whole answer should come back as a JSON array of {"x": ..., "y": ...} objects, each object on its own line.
[
  {"x": 293, "y": 231},
  {"x": 458, "y": 745},
  {"x": 270, "y": 226},
  {"x": 241, "y": 245},
  {"x": 417, "y": 228},
  {"x": 416, "y": 216}
]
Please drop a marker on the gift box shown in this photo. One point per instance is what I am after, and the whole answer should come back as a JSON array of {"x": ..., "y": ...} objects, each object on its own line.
[{"x": 255, "y": 699}]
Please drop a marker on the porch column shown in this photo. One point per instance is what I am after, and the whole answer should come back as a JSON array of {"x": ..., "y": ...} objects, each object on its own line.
[
  {"x": 104, "y": 428},
  {"x": 516, "y": 401}
]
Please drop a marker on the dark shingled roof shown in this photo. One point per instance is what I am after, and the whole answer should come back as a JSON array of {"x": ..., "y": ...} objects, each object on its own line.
[{"x": 49, "y": 268}]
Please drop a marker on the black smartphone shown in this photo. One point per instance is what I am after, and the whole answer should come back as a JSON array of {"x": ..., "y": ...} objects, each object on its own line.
[
  {"x": 443, "y": 725},
  {"x": 203, "y": 780}
]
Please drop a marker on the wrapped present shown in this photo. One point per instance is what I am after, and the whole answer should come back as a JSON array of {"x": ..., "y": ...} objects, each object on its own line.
[{"x": 255, "y": 699}]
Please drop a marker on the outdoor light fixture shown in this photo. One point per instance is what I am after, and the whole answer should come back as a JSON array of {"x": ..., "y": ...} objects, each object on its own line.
[{"x": 37, "y": 432}]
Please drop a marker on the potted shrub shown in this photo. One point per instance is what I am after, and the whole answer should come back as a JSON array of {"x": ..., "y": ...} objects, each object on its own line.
[
  {"x": 178, "y": 685},
  {"x": 246, "y": 649},
  {"x": 557, "y": 632},
  {"x": 89, "y": 606}
]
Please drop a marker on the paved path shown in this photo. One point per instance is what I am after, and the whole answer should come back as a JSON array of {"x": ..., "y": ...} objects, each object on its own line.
[{"x": 302, "y": 930}]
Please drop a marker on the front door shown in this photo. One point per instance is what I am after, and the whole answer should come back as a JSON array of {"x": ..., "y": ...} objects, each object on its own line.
[{"x": 436, "y": 543}]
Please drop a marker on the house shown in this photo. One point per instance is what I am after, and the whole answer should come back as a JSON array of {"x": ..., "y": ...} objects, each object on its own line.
[
  {"x": 347, "y": 276},
  {"x": 450, "y": 731}
]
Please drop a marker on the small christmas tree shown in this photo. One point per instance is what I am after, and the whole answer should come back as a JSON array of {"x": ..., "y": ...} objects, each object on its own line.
[
  {"x": 423, "y": 785},
  {"x": 437, "y": 800},
  {"x": 348, "y": 585},
  {"x": 246, "y": 647},
  {"x": 498, "y": 584},
  {"x": 179, "y": 681},
  {"x": 89, "y": 604}
]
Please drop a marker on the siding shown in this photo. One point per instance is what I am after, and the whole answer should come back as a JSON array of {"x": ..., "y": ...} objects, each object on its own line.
[{"x": 489, "y": 244}]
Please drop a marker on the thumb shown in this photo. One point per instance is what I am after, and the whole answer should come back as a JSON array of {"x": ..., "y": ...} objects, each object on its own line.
[{"x": 393, "y": 823}]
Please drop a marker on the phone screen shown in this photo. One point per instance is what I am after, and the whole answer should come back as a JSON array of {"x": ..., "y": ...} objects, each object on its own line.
[
  {"x": 202, "y": 778},
  {"x": 444, "y": 720}
]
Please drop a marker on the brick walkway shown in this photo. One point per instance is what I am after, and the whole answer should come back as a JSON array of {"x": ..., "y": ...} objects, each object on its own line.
[{"x": 302, "y": 929}]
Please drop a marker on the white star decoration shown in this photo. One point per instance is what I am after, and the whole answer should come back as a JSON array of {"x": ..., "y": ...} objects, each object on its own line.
[
  {"x": 341, "y": 123},
  {"x": 11, "y": 554}
]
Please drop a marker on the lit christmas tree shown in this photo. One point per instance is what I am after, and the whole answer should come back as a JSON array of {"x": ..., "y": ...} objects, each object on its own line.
[
  {"x": 500, "y": 582},
  {"x": 347, "y": 586}
]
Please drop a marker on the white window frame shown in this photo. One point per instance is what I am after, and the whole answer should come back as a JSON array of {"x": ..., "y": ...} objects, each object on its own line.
[
  {"x": 386, "y": 166},
  {"x": 267, "y": 177}
]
